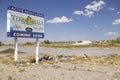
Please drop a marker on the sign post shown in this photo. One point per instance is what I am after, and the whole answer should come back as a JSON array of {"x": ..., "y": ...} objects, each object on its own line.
[
  {"x": 16, "y": 49},
  {"x": 37, "y": 50},
  {"x": 25, "y": 24}
]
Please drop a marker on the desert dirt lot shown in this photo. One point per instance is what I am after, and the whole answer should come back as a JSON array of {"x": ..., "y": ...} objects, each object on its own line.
[
  {"x": 58, "y": 70},
  {"x": 58, "y": 67}
]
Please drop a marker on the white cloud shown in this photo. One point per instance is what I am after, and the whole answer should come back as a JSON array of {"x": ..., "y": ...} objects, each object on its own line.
[
  {"x": 88, "y": 13},
  {"x": 77, "y": 12},
  {"x": 96, "y": 26},
  {"x": 117, "y": 12},
  {"x": 91, "y": 8},
  {"x": 111, "y": 34},
  {"x": 63, "y": 19},
  {"x": 116, "y": 22},
  {"x": 95, "y": 6},
  {"x": 111, "y": 9}
]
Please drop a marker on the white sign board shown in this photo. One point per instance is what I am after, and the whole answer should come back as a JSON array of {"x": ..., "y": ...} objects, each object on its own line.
[{"x": 24, "y": 23}]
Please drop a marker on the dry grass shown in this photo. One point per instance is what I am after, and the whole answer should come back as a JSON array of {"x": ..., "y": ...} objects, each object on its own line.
[
  {"x": 30, "y": 60},
  {"x": 21, "y": 70},
  {"x": 97, "y": 60},
  {"x": 107, "y": 61},
  {"x": 56, "y": 66},
  {"x": 6, "y": 61}
]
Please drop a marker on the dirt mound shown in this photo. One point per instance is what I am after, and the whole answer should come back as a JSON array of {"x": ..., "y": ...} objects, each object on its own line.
[{"x": 10, "y": 50}]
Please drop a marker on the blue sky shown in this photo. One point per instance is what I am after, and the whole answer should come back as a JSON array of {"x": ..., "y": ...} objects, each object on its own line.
[{"x": 70, "y": 20}]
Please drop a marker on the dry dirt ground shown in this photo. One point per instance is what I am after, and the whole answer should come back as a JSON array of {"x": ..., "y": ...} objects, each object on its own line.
[{"x": 58, "y": 71}]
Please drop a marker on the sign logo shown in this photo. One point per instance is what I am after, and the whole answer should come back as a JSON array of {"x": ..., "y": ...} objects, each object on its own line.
[{"x": 29, "y": 20}]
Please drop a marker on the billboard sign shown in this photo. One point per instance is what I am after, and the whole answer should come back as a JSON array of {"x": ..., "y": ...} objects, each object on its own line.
[{"x": 24, "y": 23}]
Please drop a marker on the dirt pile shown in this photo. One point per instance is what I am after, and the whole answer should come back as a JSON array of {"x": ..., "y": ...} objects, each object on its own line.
[{"x": 10, "y": 50}]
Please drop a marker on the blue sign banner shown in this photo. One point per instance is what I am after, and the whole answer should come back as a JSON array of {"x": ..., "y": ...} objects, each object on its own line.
[
  {"x": 25, "y": 11},
  {"x": 25, "y": 34}
]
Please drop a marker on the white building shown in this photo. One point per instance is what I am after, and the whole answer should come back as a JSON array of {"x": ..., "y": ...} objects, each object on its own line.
[{"x": 84, "y": 42}]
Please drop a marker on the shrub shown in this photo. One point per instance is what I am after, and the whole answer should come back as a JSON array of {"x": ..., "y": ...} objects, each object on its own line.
[{"x": 5, "y": 61}]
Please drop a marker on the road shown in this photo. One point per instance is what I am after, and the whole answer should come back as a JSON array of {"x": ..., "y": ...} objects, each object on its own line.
[{"x": 30, "y": 50}]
